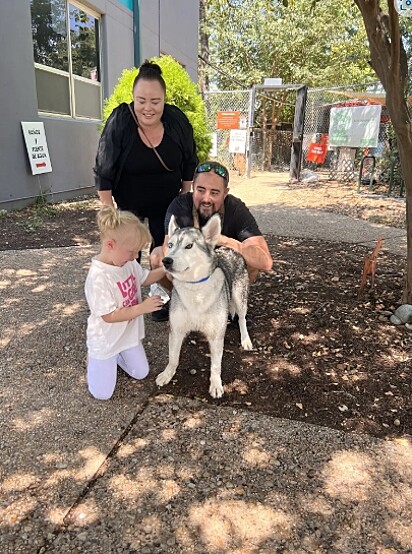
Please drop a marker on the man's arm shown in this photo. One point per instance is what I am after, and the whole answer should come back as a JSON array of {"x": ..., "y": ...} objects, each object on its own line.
[
  {"x": 254, "y": 250},
  {"x": 186, "y": 186}
]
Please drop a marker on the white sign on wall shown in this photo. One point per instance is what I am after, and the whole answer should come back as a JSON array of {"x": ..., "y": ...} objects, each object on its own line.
[
  {"x": 354, "y": 127},
  {"x": 237, "y": 141},
  {"x": 404, "y": 7},
  {"x": 36, "y": 145}
]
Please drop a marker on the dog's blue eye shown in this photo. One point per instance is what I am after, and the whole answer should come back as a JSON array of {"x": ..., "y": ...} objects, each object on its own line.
[{"x": 188, "y": 246}]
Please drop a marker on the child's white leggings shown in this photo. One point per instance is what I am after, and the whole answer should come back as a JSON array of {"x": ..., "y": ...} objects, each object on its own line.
[{"x": 102, "y": 374}]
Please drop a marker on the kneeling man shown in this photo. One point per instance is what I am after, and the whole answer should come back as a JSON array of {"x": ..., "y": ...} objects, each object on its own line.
[{"x": 239, "y": 228}]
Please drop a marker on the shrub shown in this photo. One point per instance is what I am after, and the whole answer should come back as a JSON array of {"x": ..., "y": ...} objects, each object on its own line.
[{"x": 180, "y": 91}]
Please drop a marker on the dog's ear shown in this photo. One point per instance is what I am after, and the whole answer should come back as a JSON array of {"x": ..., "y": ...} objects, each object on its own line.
[
  {"x": 211, "y": 231},
  {"x": 172, "y": 226}
]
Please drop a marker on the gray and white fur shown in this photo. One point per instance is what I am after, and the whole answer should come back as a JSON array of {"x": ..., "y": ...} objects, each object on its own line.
[{"x": 208, "y": 285}]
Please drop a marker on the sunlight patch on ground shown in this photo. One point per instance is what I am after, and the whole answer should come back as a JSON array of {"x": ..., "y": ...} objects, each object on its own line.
[
  {"x": 24, "y": 329},
  {"x": 8, "y": 336},
  {"x": 85, "y": 514},
  {"x": 5, "y": 284},
  {"x": 280, "y": 368},
  {"x": 349, "y": 476},
  {"x": 168, "y": 434},
  {"x": 92, "y": 460},
  {"x": 68, "y": 310},
  {"x": 256, "y": 457},
  {"x": 34, "y": 420},
  {"x": 18, "y": 482},
  {"x": 194, "y": 422},
  {"x": 234, "y": 524},
  {"x": 17, "y": 511},
  {"x": 132, "y": 447},
  {"x": 40, "y": 288},
  {"x": 401, "y": 456},
  {"x": 25, "y": 273},
  {"x": 123, "y": 487},
  {"x": 238, "y": 386},
  {"x": 401, "y": 532},
  {"x": 167, "y": 490}
]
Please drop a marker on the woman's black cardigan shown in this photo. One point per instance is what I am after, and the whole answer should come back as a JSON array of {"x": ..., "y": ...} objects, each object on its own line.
[{"x": 119, "y": 133}]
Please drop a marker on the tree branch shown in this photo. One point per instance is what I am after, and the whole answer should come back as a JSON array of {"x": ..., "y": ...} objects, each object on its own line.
[{"x": 395, "y": 41}]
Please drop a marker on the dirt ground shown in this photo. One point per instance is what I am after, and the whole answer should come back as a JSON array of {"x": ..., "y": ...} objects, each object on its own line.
[{"x": 323, "y": 355}]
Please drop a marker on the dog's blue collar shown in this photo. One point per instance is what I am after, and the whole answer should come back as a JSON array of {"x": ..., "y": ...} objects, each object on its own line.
[{"x": 200, "y": 281}]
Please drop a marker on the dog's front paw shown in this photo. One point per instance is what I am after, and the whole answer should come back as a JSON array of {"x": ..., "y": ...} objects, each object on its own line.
[
  {"x": 164, "y": 377},
  {"x": 216, "y": 388},
  {"x": 247, "y": 343}
]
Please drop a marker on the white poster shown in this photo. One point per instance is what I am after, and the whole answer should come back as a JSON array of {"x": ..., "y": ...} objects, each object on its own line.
[
  {"x": 237, "y": 141},
  {"x": 36, "y": 145},
  {"x": 354, "y": 126}
]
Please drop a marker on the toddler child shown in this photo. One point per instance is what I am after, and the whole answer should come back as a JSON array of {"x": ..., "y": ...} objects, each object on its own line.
[{"x": 115, "y": 326}]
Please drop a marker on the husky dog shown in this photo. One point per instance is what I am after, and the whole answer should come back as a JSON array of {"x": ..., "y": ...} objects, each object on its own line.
[{"x": 208, "y": 285}]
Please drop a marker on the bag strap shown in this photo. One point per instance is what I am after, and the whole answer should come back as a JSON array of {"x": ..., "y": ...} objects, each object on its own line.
[{"x": 159, "y": 157}]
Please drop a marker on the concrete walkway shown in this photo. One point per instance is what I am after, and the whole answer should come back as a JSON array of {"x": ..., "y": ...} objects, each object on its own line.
[
  {"x": 260, "y": 194},
  {"x": 145, "y": 474}
]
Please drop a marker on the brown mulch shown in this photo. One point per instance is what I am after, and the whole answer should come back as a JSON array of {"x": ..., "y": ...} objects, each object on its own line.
[{"x": 321, "y": 354}]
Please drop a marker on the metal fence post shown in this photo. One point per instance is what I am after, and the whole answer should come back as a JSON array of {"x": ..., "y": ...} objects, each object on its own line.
[{"x": 251, "y": 117}]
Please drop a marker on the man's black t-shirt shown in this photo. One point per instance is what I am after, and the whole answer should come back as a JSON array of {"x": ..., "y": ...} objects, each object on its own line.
[{"x": 238, "y": 222}]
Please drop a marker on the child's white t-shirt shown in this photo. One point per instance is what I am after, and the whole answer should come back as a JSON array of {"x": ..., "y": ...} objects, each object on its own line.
[{"x": 109, "y": 287}]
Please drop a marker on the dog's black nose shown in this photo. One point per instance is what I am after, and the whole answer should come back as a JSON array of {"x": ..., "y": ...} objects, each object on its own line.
[{"x": 168, "y": 263}]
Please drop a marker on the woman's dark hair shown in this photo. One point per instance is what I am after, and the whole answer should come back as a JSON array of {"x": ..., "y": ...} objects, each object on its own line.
[{"x": 150, "y": 72}]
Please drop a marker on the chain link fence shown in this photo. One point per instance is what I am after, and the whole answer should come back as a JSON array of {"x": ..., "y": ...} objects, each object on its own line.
[
  {"x": 269, "y": 140},
  {"x": 367, "y": 166},
  {"x": 271, "y": 133},
  {"x": 228, "y": 101}
]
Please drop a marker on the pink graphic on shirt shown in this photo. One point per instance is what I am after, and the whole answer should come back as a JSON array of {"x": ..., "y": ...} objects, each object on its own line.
[{"x": 129, "y": 291}]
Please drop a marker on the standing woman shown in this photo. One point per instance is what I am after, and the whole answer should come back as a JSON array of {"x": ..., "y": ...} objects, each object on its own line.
[{"x": 146, "y": 154}]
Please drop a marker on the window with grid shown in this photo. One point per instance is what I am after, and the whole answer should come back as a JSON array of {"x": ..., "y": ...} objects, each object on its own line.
[{"x": 67, "y": 58}]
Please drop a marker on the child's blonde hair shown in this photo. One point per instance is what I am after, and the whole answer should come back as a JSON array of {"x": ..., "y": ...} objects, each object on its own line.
[{"x": 112, "y": 222}]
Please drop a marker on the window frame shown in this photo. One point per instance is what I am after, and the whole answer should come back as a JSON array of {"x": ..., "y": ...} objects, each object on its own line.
[{"x": 71, "y": 76}]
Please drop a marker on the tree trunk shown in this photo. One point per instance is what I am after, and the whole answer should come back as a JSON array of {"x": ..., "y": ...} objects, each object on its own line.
[
  {"x": 404, "y": 138},
  {"x": 388, "y": 59}
]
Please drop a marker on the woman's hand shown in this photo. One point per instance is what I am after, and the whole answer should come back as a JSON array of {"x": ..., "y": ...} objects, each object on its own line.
[{"x": 106, "y": 197}]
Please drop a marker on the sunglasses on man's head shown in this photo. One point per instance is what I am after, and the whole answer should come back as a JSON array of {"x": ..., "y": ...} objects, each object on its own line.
[{"x": 217, "y": 168}]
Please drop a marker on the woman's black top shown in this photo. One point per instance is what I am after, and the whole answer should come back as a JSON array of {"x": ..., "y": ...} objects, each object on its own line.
[
  {"x": 132, "y": 171},
  {"x": 145, "y": 187}
]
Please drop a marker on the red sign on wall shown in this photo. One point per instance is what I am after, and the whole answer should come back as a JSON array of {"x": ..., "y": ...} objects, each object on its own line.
[
  {"x": 318, "y": 150},
  {"x": 228, "y": 120}
]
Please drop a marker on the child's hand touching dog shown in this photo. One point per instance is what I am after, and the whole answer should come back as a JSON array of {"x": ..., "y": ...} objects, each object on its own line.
[{"x": 151, "y": 304}]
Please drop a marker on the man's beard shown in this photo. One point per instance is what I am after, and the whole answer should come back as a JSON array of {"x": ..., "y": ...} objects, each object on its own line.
[{"x": 204, "y": 218}]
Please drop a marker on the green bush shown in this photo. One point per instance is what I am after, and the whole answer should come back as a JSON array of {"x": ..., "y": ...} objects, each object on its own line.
[{"x": 180, "y": 91}]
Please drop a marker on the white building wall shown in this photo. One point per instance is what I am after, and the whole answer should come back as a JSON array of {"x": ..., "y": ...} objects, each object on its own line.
[
  {"x": 174, "y": 32},
  {"x": 117, "y": 41},
  {"x": 72, "y": 142}
]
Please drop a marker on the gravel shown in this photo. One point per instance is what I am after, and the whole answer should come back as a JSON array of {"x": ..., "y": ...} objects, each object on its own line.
[{"x": 188, "y": 478}]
